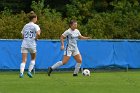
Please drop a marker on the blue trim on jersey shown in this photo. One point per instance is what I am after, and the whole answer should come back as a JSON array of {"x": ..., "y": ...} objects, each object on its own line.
[{"x": 67, "y": 45}]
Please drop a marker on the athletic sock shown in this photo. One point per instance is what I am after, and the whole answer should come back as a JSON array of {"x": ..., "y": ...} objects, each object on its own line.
[
  {"x": 22, "y": 67},
  {"x": 31, "y": 66},
  {"x": 77, "y": 67},
  {"x": 56, "y": 65}
]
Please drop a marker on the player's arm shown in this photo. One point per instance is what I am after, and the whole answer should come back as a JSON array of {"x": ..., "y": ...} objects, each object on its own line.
[
  {"x": 37, "y": 34},
  {"x": 22, "y": 33},
  {"x": 38, "y": 31},
  {"x": 62, "y": 42},
  {"x": 83, "y": 37},
  {"x": 62, "y": 37}
]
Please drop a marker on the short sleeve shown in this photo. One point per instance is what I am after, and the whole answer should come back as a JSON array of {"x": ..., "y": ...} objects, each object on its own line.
[
  {"x": 65, "y": 33},
  {"x": 22, "y": 31},
  {"x": 79, "y": 34},
  {"x": 37, "y": 28}
]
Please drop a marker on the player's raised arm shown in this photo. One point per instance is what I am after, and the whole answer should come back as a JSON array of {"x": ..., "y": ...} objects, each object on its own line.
[{"x": 83, "y": 37}]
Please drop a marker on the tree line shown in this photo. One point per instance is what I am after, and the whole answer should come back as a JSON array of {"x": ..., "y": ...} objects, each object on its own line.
[{"x": 99, "y": 19}]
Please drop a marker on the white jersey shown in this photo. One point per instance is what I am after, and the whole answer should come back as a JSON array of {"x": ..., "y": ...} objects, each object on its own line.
[
  {"x": 29, "y": 34},
  {"x": 72, "y": 37}
]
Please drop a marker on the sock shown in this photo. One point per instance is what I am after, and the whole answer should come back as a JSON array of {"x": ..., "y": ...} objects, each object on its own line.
[
  {"x": 56, "y": 65},
  {"x": 31, "y": 66},
  {"x": 77, "y": 67},
  {"x": 22, "y": 66}
]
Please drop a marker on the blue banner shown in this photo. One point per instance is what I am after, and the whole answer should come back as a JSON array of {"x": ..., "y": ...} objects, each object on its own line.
[{"x": 95, "y": 54}]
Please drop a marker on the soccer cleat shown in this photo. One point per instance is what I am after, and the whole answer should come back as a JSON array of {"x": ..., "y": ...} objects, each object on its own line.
[
  {"x": 75, "y": 75},
  {"x": 49, "y": 71},
  {"x": 30, "y": 74},
  {"x": 21, "y": 75}
]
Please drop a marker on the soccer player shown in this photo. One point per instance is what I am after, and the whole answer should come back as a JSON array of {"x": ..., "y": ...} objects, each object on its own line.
[
  {"x": 72, "y": 35},
  {"x": 30, "y": 32}
]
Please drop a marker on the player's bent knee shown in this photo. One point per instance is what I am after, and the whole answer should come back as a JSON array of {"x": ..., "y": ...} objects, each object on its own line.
[
  {"x": 64, "y": 63},
  {"x": 79, "y": 61}
]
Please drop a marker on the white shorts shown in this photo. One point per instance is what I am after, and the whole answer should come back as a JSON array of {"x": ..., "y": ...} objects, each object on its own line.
[
  {"x": 26, "y": 50},
  {"x": 71, "y": 52}
]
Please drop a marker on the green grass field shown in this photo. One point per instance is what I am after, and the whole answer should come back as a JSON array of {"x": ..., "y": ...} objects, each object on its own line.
[{"x": 64, "y": 82}]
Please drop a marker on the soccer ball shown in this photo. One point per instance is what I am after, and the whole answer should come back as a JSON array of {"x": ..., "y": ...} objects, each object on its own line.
[{"x": 86, "y": 72}]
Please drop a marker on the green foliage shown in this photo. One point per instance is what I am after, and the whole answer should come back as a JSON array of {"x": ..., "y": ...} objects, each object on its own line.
[
  {"x": 94, "y": 19},
  {"x": 122, "y": 23},
  {"x": 11, "y": 25},
  {"x": 50, "y": 21},
  {"x": 81, "y": 10}
]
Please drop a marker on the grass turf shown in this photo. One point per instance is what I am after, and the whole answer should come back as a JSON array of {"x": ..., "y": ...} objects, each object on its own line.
[{"x": 62, "y": 82}]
